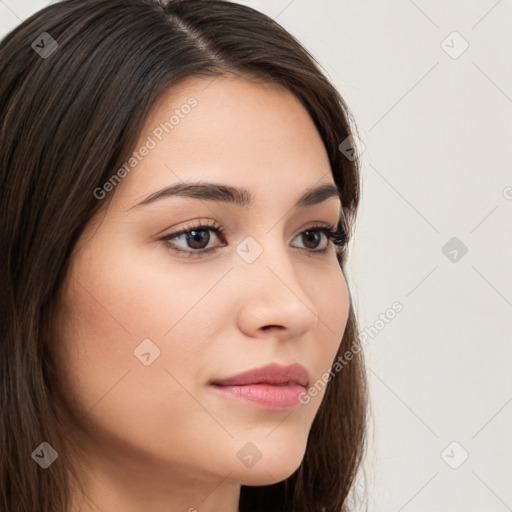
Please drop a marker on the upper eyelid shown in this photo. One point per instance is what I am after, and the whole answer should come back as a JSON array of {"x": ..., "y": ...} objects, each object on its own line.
[
  {"x": 214, "y": 226},
  {"x": 221, "y": 229}
]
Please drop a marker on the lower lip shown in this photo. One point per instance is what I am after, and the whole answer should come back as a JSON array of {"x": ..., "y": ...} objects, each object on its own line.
[{"x": 267, "y": 396}]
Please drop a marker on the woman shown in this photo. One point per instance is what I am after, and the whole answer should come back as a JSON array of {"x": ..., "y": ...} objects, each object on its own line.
[{"x": 175, "y": 214}]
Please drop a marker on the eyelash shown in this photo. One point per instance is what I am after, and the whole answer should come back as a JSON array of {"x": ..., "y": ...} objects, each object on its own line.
[{"x": 338, "y": 237}]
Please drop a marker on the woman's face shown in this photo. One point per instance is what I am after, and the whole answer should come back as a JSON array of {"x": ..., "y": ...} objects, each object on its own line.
[{"x": 143, "y": 330}]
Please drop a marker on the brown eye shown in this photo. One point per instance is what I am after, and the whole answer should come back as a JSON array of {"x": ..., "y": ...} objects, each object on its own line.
[
  {"x": 198, "y": 239},
  {"x": 193, "y": 241},
  {"x": 312, "y": 238}
]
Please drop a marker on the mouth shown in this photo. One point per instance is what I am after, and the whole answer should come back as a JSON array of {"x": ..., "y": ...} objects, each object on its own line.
[{"x": 273, "y": 387}]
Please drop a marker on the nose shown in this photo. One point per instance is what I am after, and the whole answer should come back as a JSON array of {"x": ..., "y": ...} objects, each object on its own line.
[{"x": 273, "y": 297}]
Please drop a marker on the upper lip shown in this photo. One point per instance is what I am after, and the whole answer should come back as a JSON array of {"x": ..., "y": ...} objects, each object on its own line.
[{"x": 269, "y": 374}]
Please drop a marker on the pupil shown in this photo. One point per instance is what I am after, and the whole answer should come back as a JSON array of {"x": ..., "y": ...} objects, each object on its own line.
[
  {"x": 194, "y": 239},
  {"x": 309, "y": 235}
]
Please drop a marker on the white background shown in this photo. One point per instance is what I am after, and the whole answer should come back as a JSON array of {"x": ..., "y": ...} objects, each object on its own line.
[{"x": 436, "y": 165}]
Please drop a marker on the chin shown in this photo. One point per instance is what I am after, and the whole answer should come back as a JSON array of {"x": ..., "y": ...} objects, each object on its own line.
[{"x": 272, "y": 469}]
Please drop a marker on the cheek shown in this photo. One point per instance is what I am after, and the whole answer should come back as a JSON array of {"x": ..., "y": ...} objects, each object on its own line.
[
  {"x": 126, "y": 294},
  {"x": 332, "y": 301},
  {"x": 112, "y": 304},
  {"x": 105, "y": 315}
]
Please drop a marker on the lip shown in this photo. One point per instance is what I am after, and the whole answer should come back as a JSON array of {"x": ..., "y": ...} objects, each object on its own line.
[
  {"x": 273, "y": 387},
  {"x": 269, "y": 374}
]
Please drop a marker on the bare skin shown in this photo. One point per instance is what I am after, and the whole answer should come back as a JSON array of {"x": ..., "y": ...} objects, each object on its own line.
[{"x": 157, "y": 437}]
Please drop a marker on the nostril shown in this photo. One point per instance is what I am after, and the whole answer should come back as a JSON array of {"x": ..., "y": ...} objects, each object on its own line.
[{"x": 266, "y": 327}]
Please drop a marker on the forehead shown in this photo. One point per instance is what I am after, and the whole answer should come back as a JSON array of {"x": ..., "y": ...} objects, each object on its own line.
[{"x": 250, "y": 134}]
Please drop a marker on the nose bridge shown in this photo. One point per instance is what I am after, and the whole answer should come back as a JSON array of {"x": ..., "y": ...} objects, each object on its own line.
[{"x": 274, "y": 292}]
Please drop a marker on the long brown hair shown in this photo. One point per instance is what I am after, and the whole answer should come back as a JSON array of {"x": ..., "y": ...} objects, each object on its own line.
[{"x": 70, "y": 115}]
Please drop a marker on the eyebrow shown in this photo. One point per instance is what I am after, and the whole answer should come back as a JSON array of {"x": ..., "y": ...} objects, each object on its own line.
[{"x": 238, "y": 196}]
